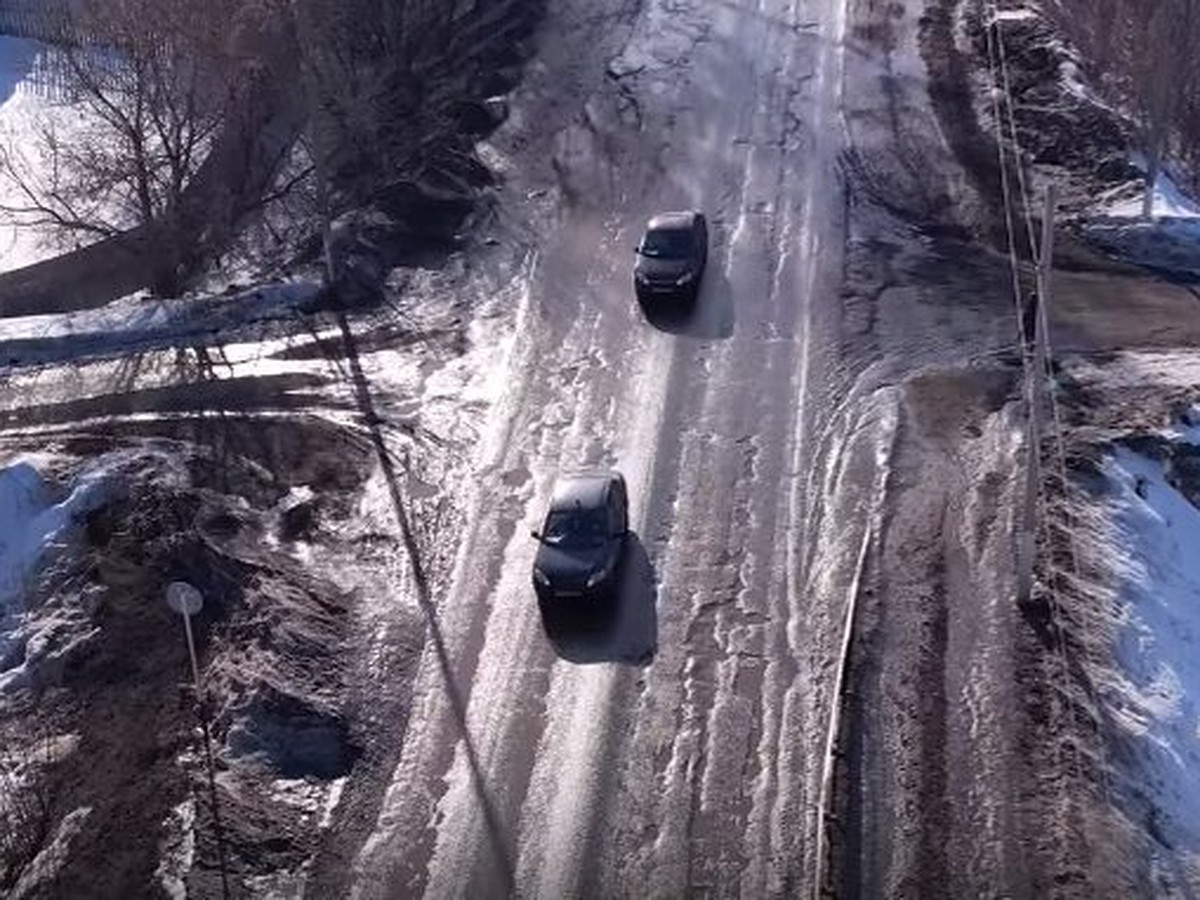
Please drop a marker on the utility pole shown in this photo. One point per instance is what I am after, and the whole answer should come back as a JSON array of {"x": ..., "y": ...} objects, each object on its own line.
[{"x": 1036, "y": 376}]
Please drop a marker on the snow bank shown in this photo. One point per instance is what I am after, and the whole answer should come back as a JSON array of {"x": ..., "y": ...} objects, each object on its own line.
[
  {"x": 140, "y": 324},
  {"x": 1154, "y": 695},
  {"x": 35, "y": 524},
  {"x": 1168, "y": 242},
  {"x": 1167, "y": 245},
  {"x": 1169, "y": 200}
]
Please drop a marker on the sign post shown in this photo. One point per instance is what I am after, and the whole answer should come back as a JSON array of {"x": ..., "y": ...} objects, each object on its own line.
[{"x": 187, "y": 601}]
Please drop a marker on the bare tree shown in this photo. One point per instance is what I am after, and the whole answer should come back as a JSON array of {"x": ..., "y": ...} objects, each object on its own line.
[
  {"x": 1163, "y": 77},
  {"x": 1145, "y": 55},
  {"x": 146, "y": 86},
  {"x": 386, "y": 83}
]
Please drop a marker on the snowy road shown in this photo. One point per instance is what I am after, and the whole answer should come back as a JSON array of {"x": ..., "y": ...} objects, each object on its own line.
[
  {"x": 830, "y": 440},
  {"x": 673, "y": 750}
]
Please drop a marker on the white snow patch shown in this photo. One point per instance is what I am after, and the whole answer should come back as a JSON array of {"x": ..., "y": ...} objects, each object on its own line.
[
  {"x": 302, "y": 794},
  {"x": 1170, "y": 201},
  {"x": 178, "y": 851},
  {"x": 332, "y": 799},
  {"x": 1169, "y": 240},
  {"x": 1073, "y": 82},
  {"x": 1155, "y": 693},
  {"x": 36, "y": 523},
  {"x": 1014, "y": 15},
  {"x": 138, "y": 323},
  {"x": 18, "y": 246}
]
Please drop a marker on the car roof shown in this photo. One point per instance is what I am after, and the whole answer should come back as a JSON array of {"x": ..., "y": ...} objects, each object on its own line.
[
  {"x": 583, "y": 488},
  {"x": 668, "y": 220}
]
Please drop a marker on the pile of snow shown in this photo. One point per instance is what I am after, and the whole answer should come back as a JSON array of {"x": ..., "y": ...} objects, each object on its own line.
[
  {"x": 35, "y": 525},
  {"x": 140, "y": 324},
  {"x": 1169, "y": 201},
  {"x": 1168, "y": 242},
  {"x": 1154, "y": 695}
]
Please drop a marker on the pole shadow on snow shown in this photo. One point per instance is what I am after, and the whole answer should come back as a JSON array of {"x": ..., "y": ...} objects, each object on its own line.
[
  {"x": 711, "y": 317},
  {"x": 458, "y": 703},
  {"x": 621, "y": 630}
]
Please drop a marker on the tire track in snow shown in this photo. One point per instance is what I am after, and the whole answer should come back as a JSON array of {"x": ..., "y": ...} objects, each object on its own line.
[
  {"x": 705, "y": 793},
  {"x": 406, "y": 835},
  {"x": 551, "y": 763}
]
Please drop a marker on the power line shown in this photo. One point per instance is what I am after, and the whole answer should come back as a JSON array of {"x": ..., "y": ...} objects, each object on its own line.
[{"x": 1041, "y": 370}]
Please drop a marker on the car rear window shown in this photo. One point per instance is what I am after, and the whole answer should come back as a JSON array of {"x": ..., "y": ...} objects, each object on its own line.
[{"x": 668, "y": 243}]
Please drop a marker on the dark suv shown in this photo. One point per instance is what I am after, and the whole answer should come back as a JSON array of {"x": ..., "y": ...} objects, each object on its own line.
[
  {"x": 671, "y": 257},
  {"x": 581, "y": 540}
]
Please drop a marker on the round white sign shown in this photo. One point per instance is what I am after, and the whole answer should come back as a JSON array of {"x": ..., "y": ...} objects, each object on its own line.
[{"x": 183, "y": 598}]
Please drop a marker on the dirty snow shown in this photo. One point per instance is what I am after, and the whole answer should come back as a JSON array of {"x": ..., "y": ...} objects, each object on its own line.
[
  {"x": 1154, "y": 695},
  {"x": 41, "y": 872},
  {"x": 35, "y": 523},
  {"x": 178, "y": 850},
  {"x": 1169, "y": 241},
  {"x": 1170, "y": 201},
  {"x": 1014, "y": 15},
  {"x": 139, "y": 324}
]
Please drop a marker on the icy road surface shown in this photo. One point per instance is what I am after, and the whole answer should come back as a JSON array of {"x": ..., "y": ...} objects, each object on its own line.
[
  {"x": 835, "y": 427},
  {"x": 670, "y": 751}
]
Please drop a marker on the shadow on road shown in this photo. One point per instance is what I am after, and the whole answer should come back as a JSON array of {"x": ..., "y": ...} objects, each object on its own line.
[
  {"x": 625, "y": 631},
  {"x": 711, "y": 318},
  {"x": 393, "y": 471}
]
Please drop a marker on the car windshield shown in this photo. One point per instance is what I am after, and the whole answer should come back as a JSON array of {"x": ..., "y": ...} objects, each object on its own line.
[
  {"x": 667, "y": 243},
  {"x": 575, "y": 528}
]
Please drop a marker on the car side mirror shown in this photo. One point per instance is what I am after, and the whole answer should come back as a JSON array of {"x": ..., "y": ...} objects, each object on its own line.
[{"x": 536, "y": 535}]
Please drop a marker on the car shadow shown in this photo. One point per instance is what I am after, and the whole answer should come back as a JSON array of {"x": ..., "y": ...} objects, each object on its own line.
[
  {"x": 624, "y": 631},
  {"x": 711, "y": 317}
]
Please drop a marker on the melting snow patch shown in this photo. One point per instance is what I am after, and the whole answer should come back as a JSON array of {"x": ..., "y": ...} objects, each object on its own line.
[
  {"x": 35, "y": 523},
  {"x": 178, "y": 850},
  {"x": 1014, "y": 15},
  {"x": 138, "y": 323},
  {"x": 1169, "y": 201},
  {"x": 1168, "y": 241},
  {"x": 1155, "y": 692}
]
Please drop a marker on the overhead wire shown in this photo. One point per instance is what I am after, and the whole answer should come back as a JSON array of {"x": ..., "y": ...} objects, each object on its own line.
[{"x": 997, "y": 54}]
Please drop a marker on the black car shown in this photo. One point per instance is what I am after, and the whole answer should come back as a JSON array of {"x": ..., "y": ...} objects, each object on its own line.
[
  {"x": 581, "y": 540},
  {"x": 671, "y": 257}
]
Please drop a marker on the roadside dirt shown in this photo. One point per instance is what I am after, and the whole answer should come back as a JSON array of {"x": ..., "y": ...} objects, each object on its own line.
[
  {"x": 1108, "y": 316},
  {"x": 269, "y": 492},
  {"x": 272, "y": 641},
  {"x": 957, "y": 690}
]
